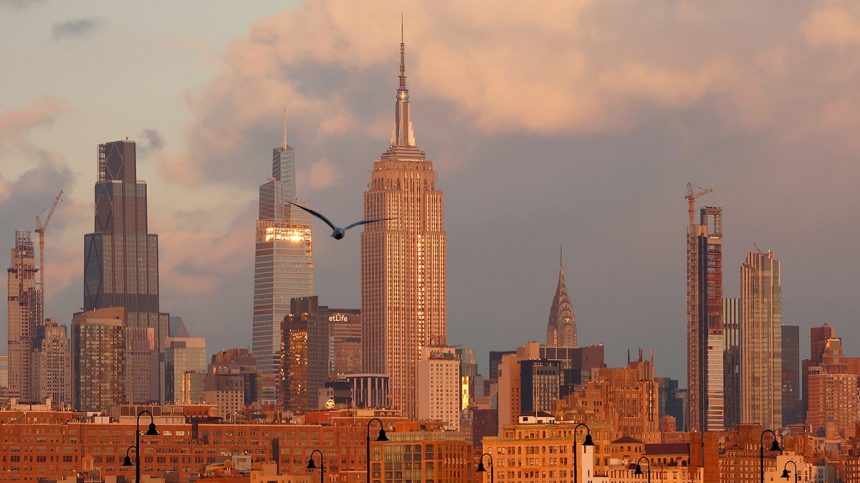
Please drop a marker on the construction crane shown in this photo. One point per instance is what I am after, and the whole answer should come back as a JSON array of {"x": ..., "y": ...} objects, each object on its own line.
[
  {"x": 40, "y": 229},
  {"x": 692, "y": 196}
]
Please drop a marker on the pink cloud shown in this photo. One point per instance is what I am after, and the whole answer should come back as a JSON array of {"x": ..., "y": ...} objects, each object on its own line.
[
  {"x": 832, "y": 25},
  {"x": 16, "y": 122},
  {"x": 195, "y": 256},
  {"x": 321, "y": 174}
]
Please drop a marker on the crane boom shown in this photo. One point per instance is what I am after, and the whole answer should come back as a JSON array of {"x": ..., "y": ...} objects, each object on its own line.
[
  {"x": 691, "y": 197},
  {"x": 40, "y": 229}
]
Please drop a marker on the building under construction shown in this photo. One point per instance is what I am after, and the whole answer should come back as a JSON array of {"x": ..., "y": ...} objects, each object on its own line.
[
  {"x": 24, "y": 316},
  {"x": 705, "y": 338}
]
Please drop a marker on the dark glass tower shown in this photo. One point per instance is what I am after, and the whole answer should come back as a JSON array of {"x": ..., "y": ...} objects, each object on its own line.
[{"x": 121, "y": 256}]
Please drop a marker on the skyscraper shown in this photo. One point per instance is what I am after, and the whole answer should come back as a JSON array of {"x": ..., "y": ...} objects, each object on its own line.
[
  {"x": 561, "y": 329},
  {"x": 705, "y": 338},
  {"x": 121, "y": 256},
  {"x": 791, "y": 407},
  {"x": 732, "y": 361},
  {"x": 818, "y": 337},
  {"x": 182, "y": 355},
  {"x": 98, "y": 359},
  {"x": 761, "y": 345},
  {"x": 403, "y": 299},
  {"x": 24, "y": 316},
  {"x": 283, "y": 264},
  {"x": 295, "y": 355},
  {"x": 344, "y": 353},
  {"x": 52, "y": 363}
]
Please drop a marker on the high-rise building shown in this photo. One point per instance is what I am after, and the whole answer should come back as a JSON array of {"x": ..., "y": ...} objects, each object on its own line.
[
  {"x": 182, "y": 355},
  {"x": 344, "y": 353},
  {"x": 4, "y": 374},
  {"x": 530, "y": 379},
  {"x": 471, "y": 383},
  {"x": 818, "y": 337},
  {"x": 24, "y": 316},
  {"x": 121, "y": 258},
  {"x": 283, "y": 264},
  {"x": 294, "y": 363},
  {"x": 834, "y": 403},
  {"x": 305, "y": 354},
  {"x": 625, "y": 399},
  {"x": 98, "y": 359},
  {"x": 52, "y": 363},
  {"x": 791, "y": 407},
  {"x": 833, "y": 392},
  {"x": 761, "y": 345},
  {"x": 142, "y": 361},
  {"x": 240, "y": 362},
  {"x": 671, "y": 403},
  {"x": 705, "y": 338},
  {"x": 439, "y": 386},
  {"x": 561, "y": 328},
  {"x": 817, "y": 340},
  {"x": 403, "y": 294},
  {"x": 732, "y": 361},
  {"x": 495, "y": 361}
]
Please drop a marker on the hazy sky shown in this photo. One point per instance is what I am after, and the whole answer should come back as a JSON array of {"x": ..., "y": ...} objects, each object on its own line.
[{"x": 576, "y": 123}]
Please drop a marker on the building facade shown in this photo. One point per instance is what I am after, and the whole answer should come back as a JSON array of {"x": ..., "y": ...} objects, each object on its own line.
[
  {"x": 24, "y": 316},
  {"x": 121, "y": 256},
  {"x": 53, "y": 445},
  {"x": 817, "y": 340},
  {"x": 532, "y": 452},
  {"x": 791, "y": 405},
  {"x": 283, "y": 264},
  {"x": 705, "y": 337},
  {"x": 439, "y": 386},
  {"x": 98, "y": 359},
  {"x": 305, "y": 354},
  {"x": 344, "y": 352},
  {"x": 52, "y": 364},
  {"x": 403, "y": 282},
  {"x": 625, "y": 400},
  {"x": 183, "y": 355},
  {"x": 761, "y": 345},
  {"x": 732, "y": 361}
]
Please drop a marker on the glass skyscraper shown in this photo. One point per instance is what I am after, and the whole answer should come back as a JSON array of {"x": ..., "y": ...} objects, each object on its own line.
[
  {"x": 761, "y": 340},
  {"x": 121, "y": 256},
  {"x": 283, "y": 264}
]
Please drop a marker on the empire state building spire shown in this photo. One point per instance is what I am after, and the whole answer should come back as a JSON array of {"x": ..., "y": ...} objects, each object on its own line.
[{"x": 404, "y": 136}]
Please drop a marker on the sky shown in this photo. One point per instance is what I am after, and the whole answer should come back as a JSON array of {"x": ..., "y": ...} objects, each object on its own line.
[{"x": 577, "y": 123}]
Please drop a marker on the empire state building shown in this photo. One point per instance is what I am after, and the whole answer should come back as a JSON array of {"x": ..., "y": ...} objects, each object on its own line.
[{"x": 403, "y": 299}]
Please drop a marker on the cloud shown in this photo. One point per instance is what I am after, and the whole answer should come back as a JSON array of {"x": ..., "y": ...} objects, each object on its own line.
[
  {"x": 16, "y": 123},
  {"x": 74, "y": 28},
  {"x": 568, "y": 68},
  {"x": 321, "y": 174},
  {"x": 19, "y": 3},
  {"x": 832, "y": 25},
  {"x": 31, "y": 194},
  {"x": 152, "y": 141}
]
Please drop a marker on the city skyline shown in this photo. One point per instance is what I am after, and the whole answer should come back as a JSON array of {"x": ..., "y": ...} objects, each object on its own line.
[{"x": 776, "y": 218}]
